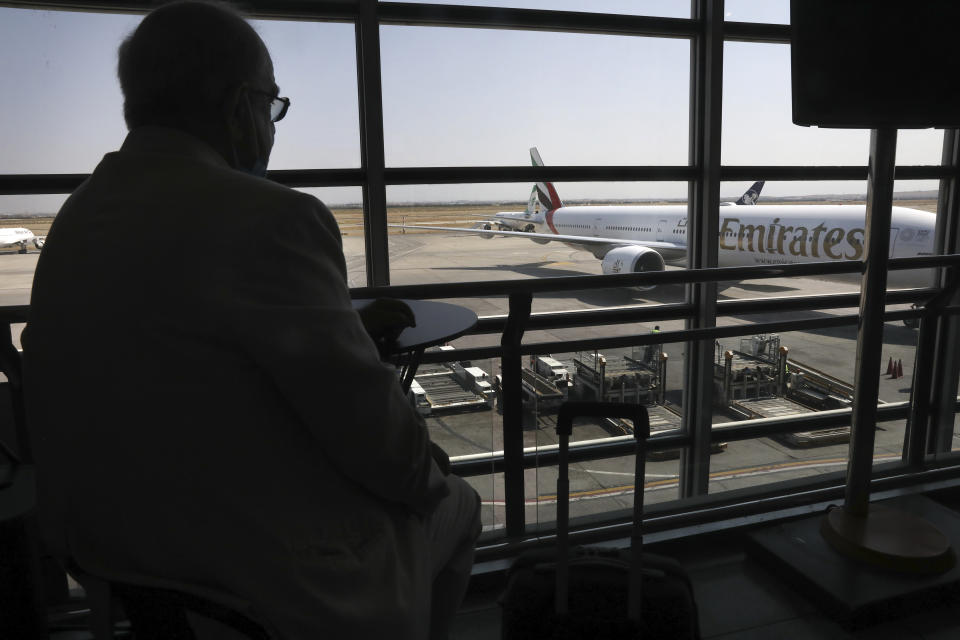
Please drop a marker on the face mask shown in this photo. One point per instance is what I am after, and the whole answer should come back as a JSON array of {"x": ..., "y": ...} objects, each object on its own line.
[{"x": 259, "y": 167}]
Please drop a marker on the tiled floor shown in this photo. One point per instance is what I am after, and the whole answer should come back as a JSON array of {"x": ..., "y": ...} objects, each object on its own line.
[{"x": 740, "y": 600}]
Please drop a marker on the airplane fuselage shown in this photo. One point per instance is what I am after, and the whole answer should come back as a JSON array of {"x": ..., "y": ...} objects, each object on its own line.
[
  {"x": 757, "y": 234},
  {"x": 15, "y": 236}
]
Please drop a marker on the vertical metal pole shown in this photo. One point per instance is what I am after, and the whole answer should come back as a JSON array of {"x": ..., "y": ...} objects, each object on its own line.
[
  {"x": 564, "y": 431},
  {"x": 946, "y": 364},
  {"x": 370, "y": 97},
  {"x": 706, "y": 95},
  {"x": 930, "y": 366},
  {"x": 511, "y": 370},
  {"x": 873, "y": 287},
  {"x": 918, "y": 427}
]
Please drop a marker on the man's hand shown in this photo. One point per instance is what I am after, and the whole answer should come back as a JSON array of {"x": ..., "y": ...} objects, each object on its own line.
[{"x": 385, "y": 318}]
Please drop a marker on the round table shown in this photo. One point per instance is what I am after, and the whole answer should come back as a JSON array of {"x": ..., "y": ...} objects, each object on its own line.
[{"x": 437, "y": 323}]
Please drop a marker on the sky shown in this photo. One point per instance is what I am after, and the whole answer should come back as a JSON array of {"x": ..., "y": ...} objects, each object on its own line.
[{"x": 451, "y": 97}]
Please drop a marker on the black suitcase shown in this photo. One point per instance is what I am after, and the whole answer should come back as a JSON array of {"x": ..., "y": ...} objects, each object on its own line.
[{"x": 592, "y": 592}]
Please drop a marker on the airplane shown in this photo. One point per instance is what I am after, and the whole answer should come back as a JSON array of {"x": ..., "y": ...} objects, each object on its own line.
[
  {"x": 636, "y": 238},
  {"x": 20, "y": 236}
]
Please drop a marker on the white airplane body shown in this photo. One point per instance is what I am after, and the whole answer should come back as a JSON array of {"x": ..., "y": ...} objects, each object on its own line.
[
  {"x": 20, "y": 236},
  {"x": 631, "y": 239}
]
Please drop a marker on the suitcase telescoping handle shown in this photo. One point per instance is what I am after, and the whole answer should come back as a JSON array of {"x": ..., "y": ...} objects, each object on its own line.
[{"x": 641, "y": 431}]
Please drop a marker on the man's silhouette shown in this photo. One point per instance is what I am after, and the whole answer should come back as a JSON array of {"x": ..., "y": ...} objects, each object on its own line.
[{"x": 206, "y": 407}]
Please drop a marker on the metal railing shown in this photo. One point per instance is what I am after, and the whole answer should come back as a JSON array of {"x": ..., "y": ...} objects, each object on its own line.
[{"x": 514, "y": 458}]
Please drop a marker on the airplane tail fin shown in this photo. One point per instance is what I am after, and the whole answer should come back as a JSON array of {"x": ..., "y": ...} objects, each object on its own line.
[
  {"x": 752, "y": 194},
  {"x": 543, "y": 196}
]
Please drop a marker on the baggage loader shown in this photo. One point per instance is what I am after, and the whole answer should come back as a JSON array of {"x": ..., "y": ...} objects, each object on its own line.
[{"x": 597, "y": 593}]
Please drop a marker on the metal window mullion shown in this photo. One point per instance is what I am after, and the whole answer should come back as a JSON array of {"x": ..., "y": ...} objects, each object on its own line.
[
  {"x": 511, "y": 390},
  {"x": 756, "y": 32},
  {"x": 799, "y": 173},
  {"x": 706, "y": 95},
  {"x": 866, "y": 385},
  {"x": 934, "y": 387},
  {"x": 39, "y": 183},
  {"x": 523, "y": 174},
  {"x": 370, "y": 97},
  {"x": 946, "y": 364},
  {"x": 480, "y": 17},
  {"x": 280, "y": 9}
]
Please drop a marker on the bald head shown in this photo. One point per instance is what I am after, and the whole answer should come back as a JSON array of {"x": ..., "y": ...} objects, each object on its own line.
[{"x": 182, "y": 60}]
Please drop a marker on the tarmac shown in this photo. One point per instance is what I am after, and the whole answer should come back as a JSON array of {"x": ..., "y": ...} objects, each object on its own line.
[{"x": 607, "y": 485}]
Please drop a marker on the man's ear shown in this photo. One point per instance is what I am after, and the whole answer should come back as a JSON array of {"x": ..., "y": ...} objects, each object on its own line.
[{"x": 233, "y": 111}]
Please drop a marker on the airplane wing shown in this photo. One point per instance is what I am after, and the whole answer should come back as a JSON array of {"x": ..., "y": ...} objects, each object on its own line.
[{"x": 669, "y": 250}]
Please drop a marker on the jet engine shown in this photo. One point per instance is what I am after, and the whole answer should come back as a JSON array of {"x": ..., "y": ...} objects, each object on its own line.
[
  {"x": 631, "y": 260},
  {"x": 38, "y": 241},
  {"x": 486, "y": 226}
]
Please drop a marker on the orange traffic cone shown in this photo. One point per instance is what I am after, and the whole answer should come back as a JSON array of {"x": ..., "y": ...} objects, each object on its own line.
[
  {"x": 899, "y": 368},
  {"x": 890, "y": 369}
]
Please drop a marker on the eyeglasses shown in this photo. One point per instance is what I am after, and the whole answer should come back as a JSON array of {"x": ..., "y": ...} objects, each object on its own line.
[{"x": 278, "y": 105}]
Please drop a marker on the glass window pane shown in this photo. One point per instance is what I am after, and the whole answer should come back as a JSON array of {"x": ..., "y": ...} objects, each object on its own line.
[
  {"x": 601, "y": 489},
  {"x": 419, "y": 255},
  {"x": 793, "y": 222},
  {"x": 769, "y": 376},
  {"x": 825, "y": 221},
  {"x": 919, "y": 146},
  {"x": 816, "y": 372},
  {"x": 764, "y": 461},
  {"x": 912, "y": 231},
  {"x": 767, "y": 11},
  {"x": 19, "y": 215},
  {"x": 315, "y": 66},
  {"x": 463, "y": 97},
  {"x": 458, "y": 401},
  {"x": 67, "y": 110},
  {"x": 758, "y": 125},
  {"x": 346, "y": 204},
  {"x": 661, "y": 8}
]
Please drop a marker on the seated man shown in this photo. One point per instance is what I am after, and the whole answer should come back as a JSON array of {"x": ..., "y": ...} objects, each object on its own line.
[{"x": 206, "y": 407}]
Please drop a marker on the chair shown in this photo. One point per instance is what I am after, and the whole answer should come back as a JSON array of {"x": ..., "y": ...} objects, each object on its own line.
[{"x": 160, "y": 613}]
